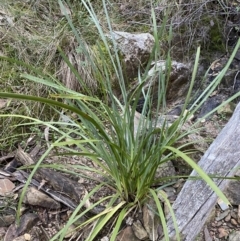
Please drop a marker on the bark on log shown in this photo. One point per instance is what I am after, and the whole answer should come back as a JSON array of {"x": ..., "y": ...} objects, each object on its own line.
[
  {"x": 196, "y": 200},
  {"x": 55, "y": 180}
]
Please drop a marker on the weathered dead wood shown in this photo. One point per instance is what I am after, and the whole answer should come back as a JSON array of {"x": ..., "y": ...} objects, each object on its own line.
[
  {"x": 196, "y": 200},
  {"x": 56, "y": 180},
  {"x": 61, "y": 185}
]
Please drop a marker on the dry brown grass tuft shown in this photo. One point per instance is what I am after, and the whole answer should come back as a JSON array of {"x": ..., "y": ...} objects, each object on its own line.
[
  {"x": 33, "y": 35},
  {"x": 81, "y": 62}
]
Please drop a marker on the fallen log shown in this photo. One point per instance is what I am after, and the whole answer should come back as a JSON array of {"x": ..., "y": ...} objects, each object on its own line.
[{"x": 196, "y": 200}]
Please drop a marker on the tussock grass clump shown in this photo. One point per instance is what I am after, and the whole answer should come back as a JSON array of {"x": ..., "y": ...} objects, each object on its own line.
[{"x": 81, "y": 62}]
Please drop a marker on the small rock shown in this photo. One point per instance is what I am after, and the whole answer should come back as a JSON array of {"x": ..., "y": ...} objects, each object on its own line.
[
  {"x": 228, "y": 218},
  {"x": 222, "y": 215},
  {"x": 135, "y": 49},
  {"x": 151, "y": 221},
  {"x": 222, "y": 204},
  {"x": 127, "y": 234},
  {"x": 178, "y": 81},
  {"x": 6, "y": 186},
  {"x": 164, "y": 171},
  {"x": 37, "y": 198},
  {"x": 219, "y": 223},
  {"x": 139, "y": 230},
  {"x": 223, "y": 233},
  {"x": 214, "y": 224},
  {"x": 27, "y": 236},
  {"x": 234, "y": 214},
  {"x": 234, "y": 222},
  {"x": 232, "y": 191},
  {"x": 7, "y": 220}
]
